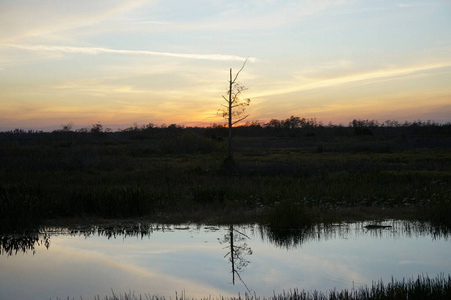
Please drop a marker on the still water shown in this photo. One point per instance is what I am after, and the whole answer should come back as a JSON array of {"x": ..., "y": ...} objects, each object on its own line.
[{"x": 199, "y": 261}]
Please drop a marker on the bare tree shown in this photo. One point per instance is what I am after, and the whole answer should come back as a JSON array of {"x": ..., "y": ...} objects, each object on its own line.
[
  {"x": 235, "y": 106},
  {"x": 238, "y": 250}
]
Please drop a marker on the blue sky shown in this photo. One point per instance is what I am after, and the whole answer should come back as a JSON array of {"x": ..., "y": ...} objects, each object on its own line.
[{"x": 127, "y": 62}]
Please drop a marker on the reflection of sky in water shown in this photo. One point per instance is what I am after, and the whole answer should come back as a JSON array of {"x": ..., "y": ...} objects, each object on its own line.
[{"x": 193, "y": 261}]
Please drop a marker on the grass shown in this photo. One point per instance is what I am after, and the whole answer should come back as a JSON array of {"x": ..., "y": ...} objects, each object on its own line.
[
  {"x": 178, "y": 176},
  {"x": 438, "y": 288}
]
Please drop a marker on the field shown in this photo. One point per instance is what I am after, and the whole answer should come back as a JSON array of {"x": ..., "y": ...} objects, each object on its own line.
[{"x": 174, "y": 174}]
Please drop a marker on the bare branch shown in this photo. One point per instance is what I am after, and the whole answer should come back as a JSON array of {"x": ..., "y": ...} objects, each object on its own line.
[
  {"x": 233, "y": 123},
  {"x": 242, "y": 233},
  {"x": 242, "y": 67},
  {"x": 239, "y": 277},
  {"x": 242, "y": 104}
]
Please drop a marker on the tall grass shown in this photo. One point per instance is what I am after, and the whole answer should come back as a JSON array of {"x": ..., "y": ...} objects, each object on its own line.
[
  {"x": 20, "y": 207},
  {"x": 438, "y": 288}
]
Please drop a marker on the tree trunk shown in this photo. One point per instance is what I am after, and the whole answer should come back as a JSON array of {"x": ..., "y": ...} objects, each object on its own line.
[
  {"x": 232, "y": 254},
  {"x": 230, "y": 114}
]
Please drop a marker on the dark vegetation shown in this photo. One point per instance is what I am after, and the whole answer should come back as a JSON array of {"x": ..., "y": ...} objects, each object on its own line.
[
  {"x": 287, "y": 173},
  {"x": 423, "y": 287}
]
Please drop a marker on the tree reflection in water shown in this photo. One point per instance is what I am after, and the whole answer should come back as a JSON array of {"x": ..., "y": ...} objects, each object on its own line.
[{"x": 238, "y": 250}]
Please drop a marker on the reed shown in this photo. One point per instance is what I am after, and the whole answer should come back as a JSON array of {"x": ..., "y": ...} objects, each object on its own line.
[{"x": 423, "y": 287}]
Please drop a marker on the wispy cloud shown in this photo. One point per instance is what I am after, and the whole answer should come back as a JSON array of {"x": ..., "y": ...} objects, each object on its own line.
[
  {"x": 25, "y": 19},
  {"x": 375, "y": 75},
  {"x": 98, "y": 50}
]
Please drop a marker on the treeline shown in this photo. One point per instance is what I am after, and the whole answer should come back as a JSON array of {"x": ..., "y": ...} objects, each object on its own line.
[{"x": 292, "y": 126}]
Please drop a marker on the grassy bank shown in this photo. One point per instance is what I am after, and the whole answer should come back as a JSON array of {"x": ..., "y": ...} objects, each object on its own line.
[
  {"x": 423, "y": 287},
  {"x": 177, "y": 175}
]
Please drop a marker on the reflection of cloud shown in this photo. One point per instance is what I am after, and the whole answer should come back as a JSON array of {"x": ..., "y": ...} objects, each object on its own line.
[
  {"x": 98, "y": 50},
  {"x": 312, "y": 268},
  {"x": 128, "y": 273}
]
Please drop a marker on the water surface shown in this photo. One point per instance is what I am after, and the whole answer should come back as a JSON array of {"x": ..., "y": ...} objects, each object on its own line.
[{"x": 196, "y": 260}]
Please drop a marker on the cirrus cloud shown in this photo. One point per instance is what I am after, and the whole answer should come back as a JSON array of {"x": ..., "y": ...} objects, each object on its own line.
[{"x": 99, "y": 50}]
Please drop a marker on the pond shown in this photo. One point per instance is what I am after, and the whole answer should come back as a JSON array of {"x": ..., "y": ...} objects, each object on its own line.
[{"x": 198, "y": 261}]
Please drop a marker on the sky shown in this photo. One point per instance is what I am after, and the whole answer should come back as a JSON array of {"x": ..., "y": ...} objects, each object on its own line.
[{"x": 126, "y": 63}]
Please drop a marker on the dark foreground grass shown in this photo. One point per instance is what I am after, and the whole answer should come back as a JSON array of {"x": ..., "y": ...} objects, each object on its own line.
[
  {"x": 170, "y": 179},
  {"x": 438, "y": 288}
]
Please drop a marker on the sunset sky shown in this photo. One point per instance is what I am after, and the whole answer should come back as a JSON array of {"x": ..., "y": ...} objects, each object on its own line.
[{"x": 122, "y": 63}]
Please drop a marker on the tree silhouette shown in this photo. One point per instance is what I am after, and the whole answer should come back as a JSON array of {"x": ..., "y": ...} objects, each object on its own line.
[
  {"x": 235, "y": 106},
  {"x": 238, "y": 249}
]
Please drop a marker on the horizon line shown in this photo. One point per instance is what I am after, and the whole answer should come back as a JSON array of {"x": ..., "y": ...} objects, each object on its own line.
[{"x": 164, "y": 125}]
